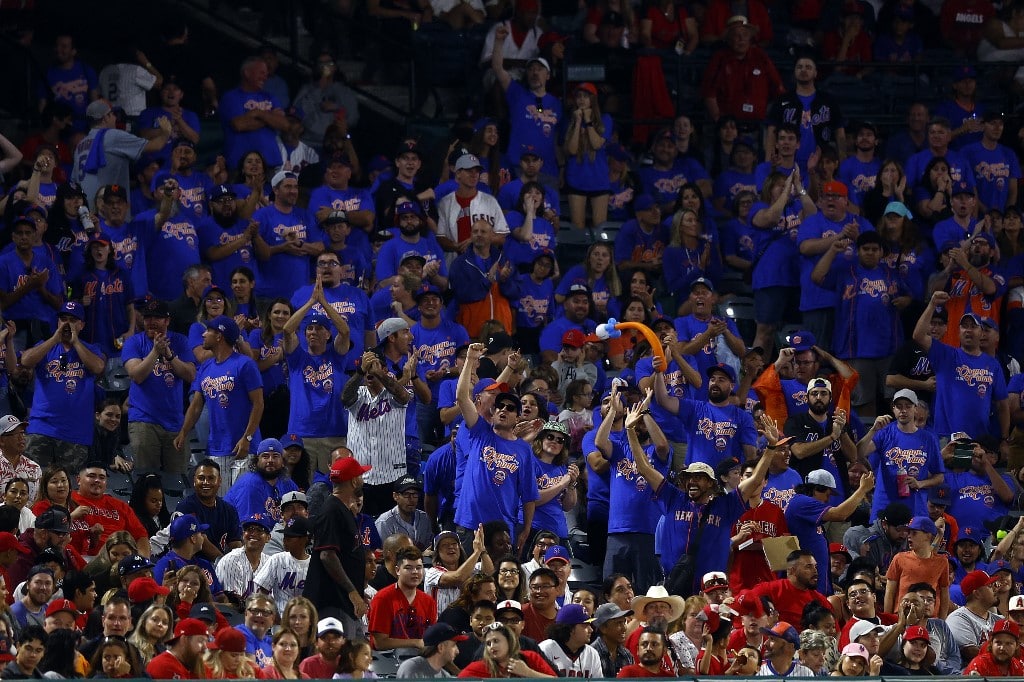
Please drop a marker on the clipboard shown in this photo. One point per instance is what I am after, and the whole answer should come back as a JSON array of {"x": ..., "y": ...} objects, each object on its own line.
[{"x": 777, "y": 549}]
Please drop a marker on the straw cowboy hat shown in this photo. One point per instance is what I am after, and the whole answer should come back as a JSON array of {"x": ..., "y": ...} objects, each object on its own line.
[{"x": 659, "y": 593}]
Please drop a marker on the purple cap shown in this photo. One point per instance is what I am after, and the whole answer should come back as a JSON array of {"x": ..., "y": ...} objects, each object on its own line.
[
  {"x": 557, "y": 552},
  {"x": 74, "y": 309}
]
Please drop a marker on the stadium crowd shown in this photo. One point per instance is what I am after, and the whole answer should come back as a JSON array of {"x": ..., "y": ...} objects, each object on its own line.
[{"x": 408, "y": 428}]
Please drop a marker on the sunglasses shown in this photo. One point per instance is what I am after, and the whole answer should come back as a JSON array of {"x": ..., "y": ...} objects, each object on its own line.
[
  {"x": 557, "y": 439},
  {"x": 506, "y": 407}
]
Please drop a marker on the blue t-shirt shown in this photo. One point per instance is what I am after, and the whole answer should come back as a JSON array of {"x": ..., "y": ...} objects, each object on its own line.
[
  {"x": 664, "y": 185},
  {"x": 71, "y": 86},
  {"x": 522, "y": 253},
  {"x": 949, "y": 230},
  {"x": 551, "y": 337},
  {"x": 534, "y": 123},
  {"x": 633, "y": 243},
  {"x": 283, "y": 273},
  {"x": 577, "y": 274},
  {"x": 959, "y": 167},
  {"x": 350, "y": 199},
  {"x": 598, "y": 490},
  {"x": 629, "y": 493},
  {"x": 716, "y": 433},
  {"x": 859, "y": 176},
  {"x": 586, "y": 174},
  {"x": 149, "y": 120},
  {"x": 993, "y": 170},
  {"x": 315, "y": 383},
  {"x": 683, "y": 517},
  {"x": 677, "y": 387},
  {"x": 157, "y": 400},
  {"x": 970, "y": 385},
  {"x": 252, "y": 494},
  {"x": 509, "y": 193},
  {"x": 498, "y": 476},
  {"x": 435, "y": 349},
  {"x": 31, "y": 306},
  {"x": 781, "y": 487},
  {"x": 106, "y": 316},
  {"x": 867, "y": 325},
  {"x": 536, "y": 303},
  {"x": 222, "y": 518},
  {"x": 914, "y": 267},
  {"x": 549, "y": 516},
  {"x": 173, "y": 561},
  {"x": 917, "y": 453},
  {"x": 817, "y": 226},
  {"x": 129, "y": 249},
  {"x": 776, "y": 256},
  {"x": 439, "y": 479},
  {"x": 211, "y": 234},
  {"x": 195, "y": 191},
  {"x": 170, "y": 250},
  {"x": 225, "y": 387},
  {"x": 689, "y": 328},
  {"x": 975, "y": 501},
  {"x": 273, "y": 376},
  {"x": 263, "y": 140},
  {"x": 348, "y": 301},
  {"x": 803, "y": 517},
  {"x": 730, "y": 183},
  {"x": 390, "y": 255},
  {"x": 738, "y": 239},
  {"x": 65, "y": 392}
]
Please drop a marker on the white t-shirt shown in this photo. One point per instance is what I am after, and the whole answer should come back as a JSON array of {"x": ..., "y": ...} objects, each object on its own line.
[{"x": 283, "y": 576}]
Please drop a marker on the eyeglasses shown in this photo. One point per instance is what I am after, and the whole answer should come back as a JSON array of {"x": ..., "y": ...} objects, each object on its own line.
[
  {"x": 512, "y": 621},
  {"x": 541, "y": 588},
  {"x": 508, "y": 571},
  {"x": 557, "y": 439},
  {"x": 261, "y": 612},
  {"x": 506, "y": 407}
]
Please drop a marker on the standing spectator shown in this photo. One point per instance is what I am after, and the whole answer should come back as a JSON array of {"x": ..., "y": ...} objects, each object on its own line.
[
  {"x": 486, "y": 284},
  {"x": 184, "y": 122},
  {"x": 741, "y": 78},
  {"x": 940, "y": 134},
  {"x": 586, "y": 168},
  {"x": 337, "y": 570},
  {"x": 964, "y": 405},
  {"x": 461, "y": 209},
  {"x": 287, "y": 237},
  {"x": 850, "y": 42},
  {"x": 225, "y": 238},
  {"x": 169, "y": 240},
  {"x": 232, "y": 384},
  {"x": 962, "y": 23},
  {"x": 995, "y": 166},
  {"x": 105, "y": 154},
  {"x": 69, "y": 81},
  {"x": 918, "y": 564},
  {"x": 31, "y": 287},
  {"x": 250, "y": 116},
  {"x": 860, "y": 171},
  {"x": 325, "y": 100},
  {"x": 536, "y": 114},
  {"x": 160, "y": 364},
  {"x": 815, "y": 113},
  {"x": 65, "y": 371}
]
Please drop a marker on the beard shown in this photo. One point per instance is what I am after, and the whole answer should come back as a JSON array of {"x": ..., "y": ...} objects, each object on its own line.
[{"x": 268, "y": 475}]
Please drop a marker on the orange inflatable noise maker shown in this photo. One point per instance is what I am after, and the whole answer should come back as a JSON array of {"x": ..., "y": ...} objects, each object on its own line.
[{"x": 613, "y": 329}]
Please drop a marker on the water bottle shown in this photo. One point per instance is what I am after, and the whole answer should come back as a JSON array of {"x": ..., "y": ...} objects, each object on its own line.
[
  {"x": 902, "y": 486},
  {"x": 83, "y": 217}
]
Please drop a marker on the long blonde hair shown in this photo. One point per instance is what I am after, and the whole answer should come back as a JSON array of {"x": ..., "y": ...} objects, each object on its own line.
[
  {"x": 246, "y": 669},
  {"x": 611, "y": 275},
  {"x": 314, "y": 617},
  {"x": 141, "y": 641},
  {"x": 513, "y": 648}
]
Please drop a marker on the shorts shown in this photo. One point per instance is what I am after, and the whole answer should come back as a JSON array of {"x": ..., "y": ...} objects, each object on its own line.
[
  {"x": 775, "y": 305},
  {"x": 872, "y": 378},
  {"x": 589, "y": 193}
]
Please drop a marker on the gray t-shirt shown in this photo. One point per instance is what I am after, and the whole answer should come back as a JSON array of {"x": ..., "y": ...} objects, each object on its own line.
[
  {"x": 121, "y": 150},
  {"x": 420, "y": 667}
]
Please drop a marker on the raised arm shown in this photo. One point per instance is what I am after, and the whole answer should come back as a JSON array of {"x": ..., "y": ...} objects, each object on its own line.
[{"x": 464, "y": 389}]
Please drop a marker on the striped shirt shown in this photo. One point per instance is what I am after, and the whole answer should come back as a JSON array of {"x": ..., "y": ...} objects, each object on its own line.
[
  {"x": 376, "y": 435},
  {"x": 126, "y": 85},
  {"x": 236, "y": 573}
]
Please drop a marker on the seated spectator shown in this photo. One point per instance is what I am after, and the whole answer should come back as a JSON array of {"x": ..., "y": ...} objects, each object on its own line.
[
  {"x": 850, "y": 42},
  {"x": 1001, "y": 659},
  {"x": 900, "y": 43},
  {"x": 400, "y": 613}
]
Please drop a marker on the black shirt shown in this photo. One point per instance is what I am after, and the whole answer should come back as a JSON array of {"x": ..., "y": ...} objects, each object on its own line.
[{"x": 335, "y": 530}]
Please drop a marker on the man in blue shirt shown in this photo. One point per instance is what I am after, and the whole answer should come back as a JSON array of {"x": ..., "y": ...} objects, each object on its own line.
[
  {"x": 995, "y": 166},
  {"x": 287, "y": 238},
  {"x": 188, "y": 536},
  {"x": 259, "y": 490},
  {"x": 160, "y": 364},
  {"x": 702, "y": 332},
  {"x": 859, "y": 172},
  {"x": 251, "y": 116},
  {"x": 434, "y": 341},
  {"x": 224, "y": 532}
]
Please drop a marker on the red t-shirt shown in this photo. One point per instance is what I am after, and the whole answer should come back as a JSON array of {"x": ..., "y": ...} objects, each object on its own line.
[
  {"x": 738, "y": 640},
  {"x": 166, "y": 667},
  {"x": 985, "y": 666},
  {"x": 637, "y": 670},
  {"x": 749, "y": 566},
  {"x": 112, "y": 514},
  {"x": 789, "y": 600},
  {"x": 716, "y": 667},
  {"x": 478, "y": 669},
  {"x": 535, "y": 625},
  {"x": 633, "y": 646},
  {"x": 883, "y": 618},
  {"x": 393, "y": 615},
  {"x": 317, "y": 668}
]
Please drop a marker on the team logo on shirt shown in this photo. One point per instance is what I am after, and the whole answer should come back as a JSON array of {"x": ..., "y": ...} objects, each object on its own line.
[
  {"x": 997, "y": 172},
  {"x": 911, "y": 460},
  {"x": 182, "y": 231},
  {"x": 320, "y": 378},
  {"x": 720, "y": 432},
  {"x": 982, "y": 493},
  {"x": 862, "y": 183},
  {"x": 977, "y": 377},
  {"x": 779, "y": 497},
  {"x": 217, "y": 388},
  {"x": 500, "y": 464},
  {"x": 438, "y": 353},
  {"x": 535, "y": 309},
  {"x": 67, "y": 371},
  {"x": 545, "y": 119},
  {"x": 626, "y": 469}
]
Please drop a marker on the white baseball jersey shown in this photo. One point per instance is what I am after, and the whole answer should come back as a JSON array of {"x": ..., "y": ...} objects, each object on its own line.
[
  {"x": 235, "y": 572},
  {"x": 283, "y": 576},
  {"x": 125, "y": 86},
  {"x": 587, "y": 664},
  {"x": 376, "y": 436}
]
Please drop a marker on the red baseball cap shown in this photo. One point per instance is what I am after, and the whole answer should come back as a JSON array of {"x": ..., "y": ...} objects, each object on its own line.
[
  {"x": 8, "y": 541},
  {"x": 347, "y": 468},
  {"x": 835, "y": 187},
  {"x": 975, "y": 580}
]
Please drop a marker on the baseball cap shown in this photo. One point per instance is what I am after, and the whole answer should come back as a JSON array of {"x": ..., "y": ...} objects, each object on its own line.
[
  {"x": 408, "y": 207},
  {"x": 74, "y": 309},
  {"x": 281, "y": 176},
  {"x": 962, "y": 187},
  {"x": 318, "y": 320},
  {"x": 924, "y": 524},
  {"x": 468, "y": 162},
  {"x": 294, "y": 496},
  {"x": 988, "y": 237},
  {"x": 992, "y": 115},
  {"x": 899, "y": 208},
  {"x": 442, "y": 632},
  {"x": 714, "y": 580},
  {"x": 407, "y": 147},
  {"x": 426, "y": 290},
  {"x": 412, "y": 255},
  {"x": 556, "y": 553},
  {"x": 723, "y": 368},
  {"x": 145, "y": 588},
  {"x": 539, "y": 60},
  {"x": 578, "y": 288},
  {"x": 835, "y": 187},
  {"x": 261, "y": 520},
  {"x": 855, "y": 649},
  {"x": 812, "y": 639},
  {"x": 55, "y": 519},
  {"x": 964, "y": 72},
  {"x": 574, "y": 338},
  {"x": 335, "y": 217},
  {"x": 112, "y": 191},
  {"x": 442, "y": 535},
  {"x": 802, "y": 340},
  {"x": 1006, "y": 626},
  {"x": 155, "y": 308},
  {"x": 189, "y": 627},
  {"x": 97, "y": 109},
  {"x": 783, "y": 630},
  {"x": 864, "y": 627},
  {"x": 221, "y": 191},
  {"x": 228, "y": 639},
  {"x": 298, "y": 527},
  {"x": 390, "y": 326},
  {"x": 270, "y": 445},
  {"x": 9, "y": 423},
  {"x": 822, "y": 478},
  {"x": 292, "y": 440},
  {"x": 499, "y": 341},
  {"x": 509, "y": 605},
  {"x": 702, "y": 280},
  {"x": 185, "y": 527},
  {"x": 573, "y": 614},
  {"x": 905, "y": 394},
  {"x": 326, "y": 625},
  {"x": 819, "y": 382},
  {"x": 839, "y": 548},
  {"x": 9, "y": 541},
  {"x": 1016, "y": 603},
  {"x": 915, "y": 632},
  {"x": 347, "y": 468},
  {"x": 975, "y": 580},
  {"x": 941, "y": 495},
  {"x": 643, "y": 202},
  {"x": 406, "y": 483},
  {"x": 59, "y": 605},
  {"x": 132, "y": 564},
  {"x": 226, "y": 326},
  {"x": 609, "y": 611}
]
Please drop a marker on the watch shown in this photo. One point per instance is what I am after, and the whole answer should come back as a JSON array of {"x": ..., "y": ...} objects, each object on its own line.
[{"x": 249, "y": 438}]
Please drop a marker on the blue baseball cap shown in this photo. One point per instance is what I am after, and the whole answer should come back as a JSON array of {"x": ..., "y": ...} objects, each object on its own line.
[
  {"x": 802, "y": 340},
  {"x": 425, "y": 290},
  {"x": 226, "y": 326},
  {"x": 923, "y": 523},
  {"x": 318, "y": 319},
  {"x": 270, "y": 445},
  {"x": 261, "y": 520},
  {"x": 185, "y": 527},
  {"x": 643, "y": 203},
  {"x": 292, "y": 440},
  {"x": 725, "y": 369},
  {"x": 557, "y": 552},
  {"x": 74, "y": 309}
]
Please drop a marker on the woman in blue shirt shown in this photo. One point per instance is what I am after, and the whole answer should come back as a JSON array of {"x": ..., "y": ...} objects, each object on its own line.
[
  {"x": 598, "y": 272},
  {"x": 268, "y": 352},
  {"x": 689, "y": 253},
  {"x": 556, "y": 480},
  {"x": 105, "y": 291},
  {"x": 531, "y": 234},
  {"x": 586, "y": 165}
]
